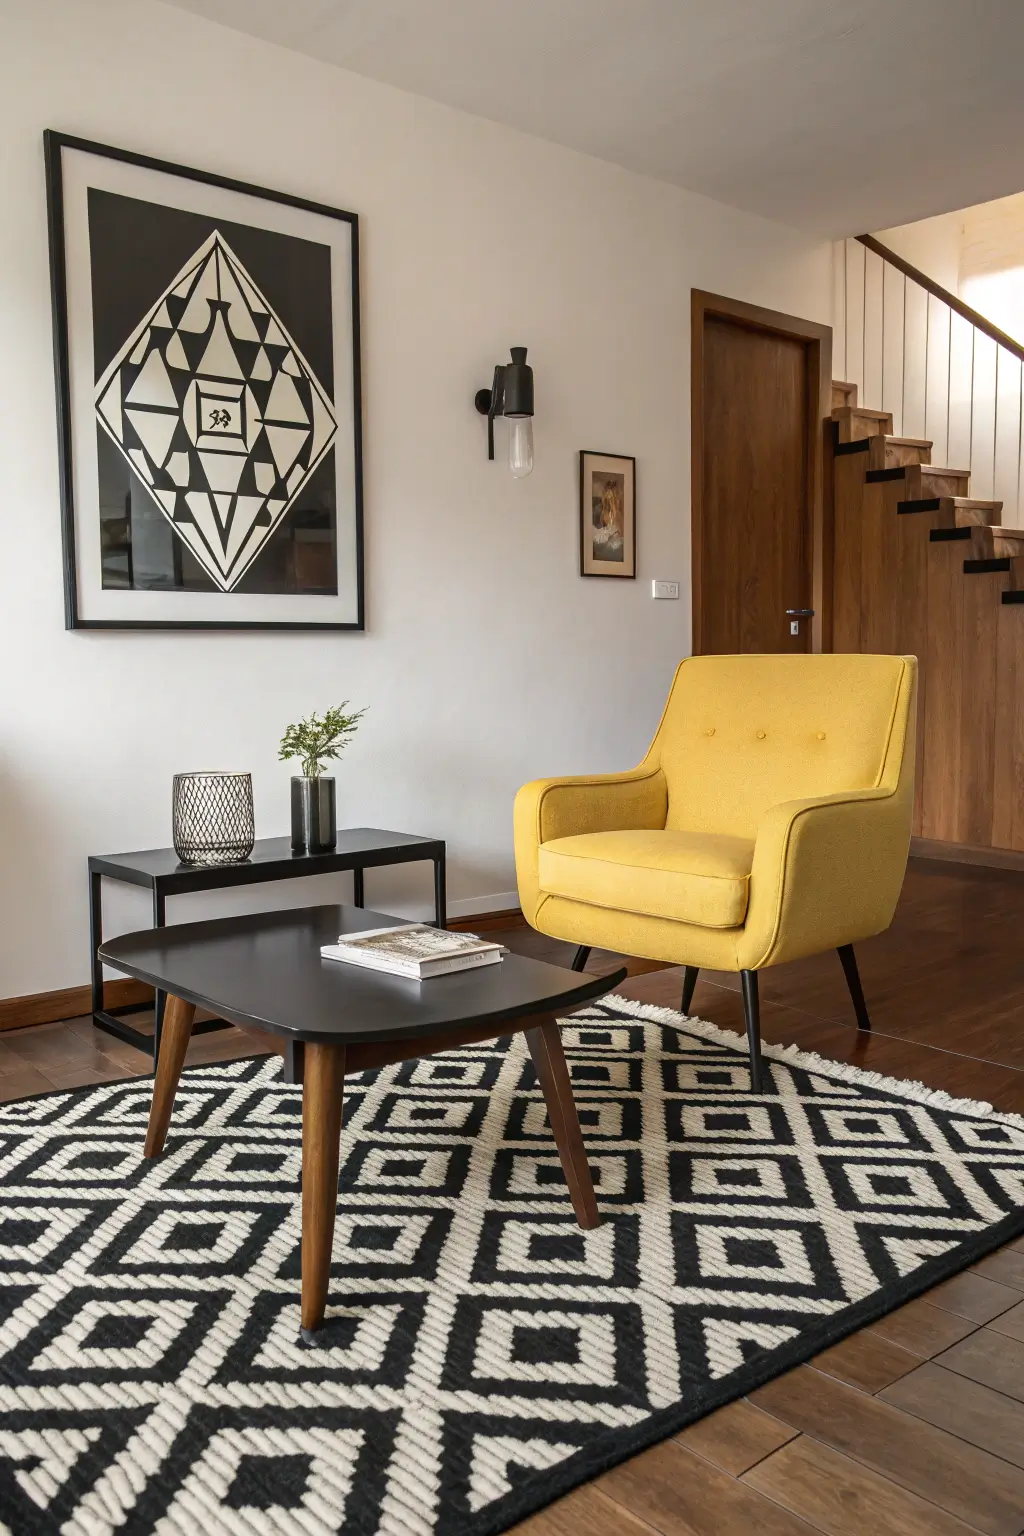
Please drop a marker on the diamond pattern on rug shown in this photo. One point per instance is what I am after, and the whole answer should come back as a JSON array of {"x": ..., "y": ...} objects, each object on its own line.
[{"x": 481, "y": 1354}]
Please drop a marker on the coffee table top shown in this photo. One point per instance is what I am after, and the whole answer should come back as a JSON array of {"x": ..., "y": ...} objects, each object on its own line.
[
  {"x": 266, "y": 970},
  {"x": 272, "y": 858}
]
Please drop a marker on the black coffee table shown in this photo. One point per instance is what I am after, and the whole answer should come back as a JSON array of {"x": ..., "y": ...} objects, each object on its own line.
[{"x": 265, "y": 970}]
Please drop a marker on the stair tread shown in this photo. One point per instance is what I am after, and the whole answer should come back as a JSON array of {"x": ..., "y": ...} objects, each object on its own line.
[
  {"x": 861, "y": 410},
  {"x": 939, "y": 469},
  {"x": 910, "y": 442},
  {"x": 974, "y": 502}
]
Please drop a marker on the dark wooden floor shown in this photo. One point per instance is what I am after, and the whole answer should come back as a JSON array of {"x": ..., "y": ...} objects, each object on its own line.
[{"x": 912, "y": 1426}]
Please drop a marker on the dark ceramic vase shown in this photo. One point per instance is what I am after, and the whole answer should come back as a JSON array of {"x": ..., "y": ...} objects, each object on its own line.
[{"x": 314, "y": 815}]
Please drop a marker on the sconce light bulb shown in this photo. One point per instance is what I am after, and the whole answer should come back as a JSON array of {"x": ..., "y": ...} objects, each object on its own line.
[{"x": 520, "y": 445}]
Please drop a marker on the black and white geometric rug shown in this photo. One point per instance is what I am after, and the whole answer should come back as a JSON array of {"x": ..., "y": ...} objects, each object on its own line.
[{"x": 484, "y": 1354}]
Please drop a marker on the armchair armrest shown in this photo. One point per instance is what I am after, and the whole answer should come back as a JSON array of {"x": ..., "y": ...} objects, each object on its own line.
[
  {"x": 827, "y": 871},
  {"x": 609, "y": 802}
]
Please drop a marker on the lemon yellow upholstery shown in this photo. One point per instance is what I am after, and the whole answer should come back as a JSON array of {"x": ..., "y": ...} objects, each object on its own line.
[
  {"x": 692, "y": 877},
  {"x": 769, "y": 820}
]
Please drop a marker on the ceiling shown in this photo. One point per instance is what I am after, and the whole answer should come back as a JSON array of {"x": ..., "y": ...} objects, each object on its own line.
[{"x": 837, "y": 116}]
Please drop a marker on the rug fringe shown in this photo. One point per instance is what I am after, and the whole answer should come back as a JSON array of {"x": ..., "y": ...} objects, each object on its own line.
[{"x": 810, "y": 1061}]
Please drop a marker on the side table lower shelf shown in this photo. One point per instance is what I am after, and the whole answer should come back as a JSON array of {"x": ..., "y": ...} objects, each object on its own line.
[{"x": 113, "y": 1022}]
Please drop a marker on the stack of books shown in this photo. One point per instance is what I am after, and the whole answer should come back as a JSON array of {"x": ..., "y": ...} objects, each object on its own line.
[{"x": 414, "y": 950}]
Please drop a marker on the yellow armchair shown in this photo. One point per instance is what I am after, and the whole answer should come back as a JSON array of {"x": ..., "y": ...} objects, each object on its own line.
[{"x": 770, "y": 820}]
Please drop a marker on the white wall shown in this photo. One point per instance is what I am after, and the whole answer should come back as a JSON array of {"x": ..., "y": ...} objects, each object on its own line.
[
  {"x": 992, "y": 262},
  {"x": 487, "y": 660},
  {"x": 931, "y": 245}
]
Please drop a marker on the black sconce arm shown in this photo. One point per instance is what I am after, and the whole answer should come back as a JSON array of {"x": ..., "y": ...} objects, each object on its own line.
[{"x": 491, "y": 401}]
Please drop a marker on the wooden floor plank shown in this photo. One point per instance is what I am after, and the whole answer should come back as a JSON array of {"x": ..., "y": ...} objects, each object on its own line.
[
  {"x": 587, "y": 1509},
  {"x": 967, "y": 1482},
  {"x": 973, "y": 1296},
  {"x": 990, "y": 1358},
  {"x": 843, "y": 1498},
  {"x": 23, "y": 1083},
  {"x": 975, "y": 1413},
  {"x": 867, "y": 1361},
  {"x": 1006, "y": 1267},
  {"x": 923, "y": 1329},
  {"x": 680, "y": 1494},
  {"x": 736, "y": 1437},
  {"x": 1011, "y": 1323}
]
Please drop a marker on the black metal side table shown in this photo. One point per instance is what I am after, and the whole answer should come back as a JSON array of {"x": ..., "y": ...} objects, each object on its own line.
[{"x": 272, "y": 858}]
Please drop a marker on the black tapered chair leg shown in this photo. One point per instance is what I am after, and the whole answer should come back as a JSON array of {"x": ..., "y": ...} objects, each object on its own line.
[
  {"x": 690, "y": 974},
  {"x": 850, "y": 971},
  {"x": 752, "y": 1014},
  {"x": 580, "y": 958}
]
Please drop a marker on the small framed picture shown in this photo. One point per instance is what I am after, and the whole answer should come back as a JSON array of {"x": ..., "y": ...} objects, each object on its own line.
[{"x": 607, "y": 514}]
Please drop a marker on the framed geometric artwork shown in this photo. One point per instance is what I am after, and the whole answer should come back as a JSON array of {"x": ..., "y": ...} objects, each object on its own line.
[
  {"x": 206, "y": 342},
  {"x": 607, "y": 515}
]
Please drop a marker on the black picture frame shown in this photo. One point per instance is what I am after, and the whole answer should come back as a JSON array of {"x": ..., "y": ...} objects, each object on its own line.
[
  {"x": 594, "y": 461},
  {"x": 54, "y": 145}
]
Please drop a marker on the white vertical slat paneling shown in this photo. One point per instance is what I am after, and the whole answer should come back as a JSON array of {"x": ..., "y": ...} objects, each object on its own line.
[
  {"x": 1007, "y": 438},
  {"x": 941, "y": 377},
  {"x": 981, "y": 448},
  {"x": 936, "y": 426},
  {"x": 840, "y": 350},
  {"x": 891, "y": 346},
  {"x": 871, "y": 339},
  {"x": 915, "y": 359},
  {"x": 958, "y": 383},
  {"x": 853, "y": 315}
]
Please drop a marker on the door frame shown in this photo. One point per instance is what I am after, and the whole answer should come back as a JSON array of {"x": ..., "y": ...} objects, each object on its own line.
[{"x": 819, "y": 413}]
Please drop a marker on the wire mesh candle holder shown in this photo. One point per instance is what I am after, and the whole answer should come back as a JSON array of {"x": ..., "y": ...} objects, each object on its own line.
[{"x": 213, "y": 817}]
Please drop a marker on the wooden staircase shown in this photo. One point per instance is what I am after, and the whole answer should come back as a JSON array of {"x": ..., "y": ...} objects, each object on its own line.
[{"x": 922, "y": 568}]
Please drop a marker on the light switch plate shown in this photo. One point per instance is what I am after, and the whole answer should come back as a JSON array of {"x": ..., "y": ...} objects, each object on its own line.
[{"x": 664, "y": 589}]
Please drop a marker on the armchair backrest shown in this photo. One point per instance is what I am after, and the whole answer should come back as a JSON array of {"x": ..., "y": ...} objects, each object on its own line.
[{"x": 743, "y": 733}]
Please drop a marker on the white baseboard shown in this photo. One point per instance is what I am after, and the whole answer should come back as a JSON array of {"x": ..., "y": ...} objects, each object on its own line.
[
  {"x": 501, "y": 901},
  {"x": 469, "y": 906}
]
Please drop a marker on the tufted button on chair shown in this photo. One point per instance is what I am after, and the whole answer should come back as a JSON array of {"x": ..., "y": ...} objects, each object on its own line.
[{"x": 731, "y": 847}]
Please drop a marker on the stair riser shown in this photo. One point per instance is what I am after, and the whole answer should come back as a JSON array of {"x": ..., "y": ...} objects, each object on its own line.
[{"x": 853, "y": 424}]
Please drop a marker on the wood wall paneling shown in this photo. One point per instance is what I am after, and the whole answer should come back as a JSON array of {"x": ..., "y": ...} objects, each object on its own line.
[
  {"x": 912, "y": 549},
  {"x": 903, "y": 530},
  {"x": 848, "y": 474},
  {"x": 880, "y": 565},
  {"x": 979, "y": 705},
  {"x": 1008, "y": 744},
  {"x": 943, "y": 649}
]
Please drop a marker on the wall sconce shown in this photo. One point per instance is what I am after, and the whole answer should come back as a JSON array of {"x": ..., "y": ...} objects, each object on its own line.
[{"x": 511, "y": 395}]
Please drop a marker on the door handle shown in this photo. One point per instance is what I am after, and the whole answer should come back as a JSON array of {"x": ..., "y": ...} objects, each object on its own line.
[{"x": 794, "y": 615}]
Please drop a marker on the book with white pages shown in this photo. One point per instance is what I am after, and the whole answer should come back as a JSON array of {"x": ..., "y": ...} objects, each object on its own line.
[{"x": 415, "y": 949}]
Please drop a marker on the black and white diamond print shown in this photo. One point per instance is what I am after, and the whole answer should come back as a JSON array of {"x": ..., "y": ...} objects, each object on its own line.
[
  {"x": 217, "y": 411},
  {"x": 481, "y": 1353}
]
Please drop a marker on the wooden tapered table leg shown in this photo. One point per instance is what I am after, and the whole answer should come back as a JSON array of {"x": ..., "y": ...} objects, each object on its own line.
[
  {"x": 545, "y": 1044},
  {"x": 322, "y": 1094},
  {"x": 174, "y": 1038}
]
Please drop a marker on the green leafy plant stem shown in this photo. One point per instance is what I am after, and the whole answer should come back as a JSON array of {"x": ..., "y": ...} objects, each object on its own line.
[{"x": 318, "y": 740}]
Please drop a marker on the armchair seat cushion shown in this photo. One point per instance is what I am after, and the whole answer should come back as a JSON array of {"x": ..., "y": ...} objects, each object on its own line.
[{"x": 691, "y": 877}]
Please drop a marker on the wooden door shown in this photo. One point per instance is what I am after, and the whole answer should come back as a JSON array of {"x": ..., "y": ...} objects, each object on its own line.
[{"x": 757, "y": 435}]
